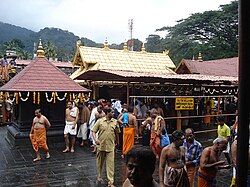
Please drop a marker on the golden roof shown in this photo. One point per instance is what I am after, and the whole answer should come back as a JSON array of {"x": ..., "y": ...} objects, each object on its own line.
[{"x": 92, "y": 58}]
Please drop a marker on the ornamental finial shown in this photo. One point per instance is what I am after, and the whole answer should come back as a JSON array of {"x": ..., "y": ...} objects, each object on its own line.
[
  {"x": 200, "y": 57},
  {"x": 106, "y": 46},
  {"x": 125, "y": 46},
  {"x": 40, "y": 52}
]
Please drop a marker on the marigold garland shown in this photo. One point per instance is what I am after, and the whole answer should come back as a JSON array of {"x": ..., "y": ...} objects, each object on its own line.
[
  {"x": 34, "y": 97},
  {"x": 54, "y": 97},
  {"x": 16, "y": 94},
  {"x": 70, "y": 97},
  {"x": 38, "y": 98},
  {"x": 81, "y": 98}
]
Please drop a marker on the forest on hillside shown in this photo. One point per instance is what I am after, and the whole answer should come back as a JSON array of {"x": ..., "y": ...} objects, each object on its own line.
[{"x": 213, "y": 33}]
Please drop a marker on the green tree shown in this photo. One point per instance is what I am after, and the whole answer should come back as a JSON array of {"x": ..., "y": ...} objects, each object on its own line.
[
  {"x": 154, "y": 44},
  {"x": 214, "y": 33},
  {"x": 50, "y": 50}
]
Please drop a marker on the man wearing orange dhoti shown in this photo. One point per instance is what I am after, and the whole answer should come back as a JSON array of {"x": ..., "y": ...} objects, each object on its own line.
[
  {"x": 129, "y": 131},
  {"x": 38, "y": 134}
]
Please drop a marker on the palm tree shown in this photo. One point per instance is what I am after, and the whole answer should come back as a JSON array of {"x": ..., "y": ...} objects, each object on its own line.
[{"x": 50, "y": 50}]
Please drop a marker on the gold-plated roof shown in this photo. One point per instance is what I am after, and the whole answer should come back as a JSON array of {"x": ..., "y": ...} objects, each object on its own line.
[{"x": 92, "y": 58}]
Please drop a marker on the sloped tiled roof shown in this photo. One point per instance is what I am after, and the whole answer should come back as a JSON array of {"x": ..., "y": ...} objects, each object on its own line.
[
  {"x": 41, "y": 75},
  {"x": 92, "y": 58},
  {"x": 220, "y": 67},
  {"x": 124, "y": 76},
  {"x": 57, "y": 64}
]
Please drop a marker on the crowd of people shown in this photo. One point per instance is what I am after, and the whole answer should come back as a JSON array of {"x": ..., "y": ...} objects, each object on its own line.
[
  {"x": 114, "y": 127},
  {"x": 8, "y": 68}
]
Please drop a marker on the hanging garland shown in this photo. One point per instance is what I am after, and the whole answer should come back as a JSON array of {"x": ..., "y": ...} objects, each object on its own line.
[
  {"x": 47, "y": 98},
  {"x": 27, "y": 97},
  {"x": 38, "y": 98},
  {"x": 80, "y": 97},
  {"x": 160, "y": 89},
  {"x": 224, "y": 91},
  {"x": 54, "y": 97},
  {"x": 120, "y": 86},
  {"x": 16, "y": 94},
  {"x": 236, "y": 91},
  {"x": 70, "y": 97},
  {"x": 61, "y": 99},
  {"x": 145, "y": 88},
  {"x": 34, "y": 97},
  {"x": 138, "y": 87},
  {"x": 13, "y": 99},
  {"x": 230, "y": 92},
  {"x": 86, "y": 97},
  {"x": 101, "y": 84},
  {"x": 110, "y": 86},
  {"x": 166, "y": 90},
  {"x": 76, "y": 98}
]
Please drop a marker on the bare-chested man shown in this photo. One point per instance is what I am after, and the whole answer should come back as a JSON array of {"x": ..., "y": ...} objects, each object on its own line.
[
  {"x": 210, "y": 163},
  {"x": 100, "y": 113},
  {"x": 172, "y": 171},
  {"x": 71, "y": 119},
  {"x": 157, "y": 128},
  {"x": 38, "y": 134},
  {"x": 234, "y": 157},
  {"x": 129, "y": 130}
]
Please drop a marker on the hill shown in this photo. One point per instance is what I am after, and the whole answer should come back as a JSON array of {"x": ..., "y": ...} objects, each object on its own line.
[{"x": 63, "y": 40}]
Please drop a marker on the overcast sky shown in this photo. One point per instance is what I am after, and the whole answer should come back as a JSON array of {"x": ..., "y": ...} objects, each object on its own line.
[{"x": 98, "y": 19}]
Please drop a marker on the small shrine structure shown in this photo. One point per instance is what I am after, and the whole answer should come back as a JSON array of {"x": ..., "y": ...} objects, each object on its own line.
[{"x": 39, "y": 85}]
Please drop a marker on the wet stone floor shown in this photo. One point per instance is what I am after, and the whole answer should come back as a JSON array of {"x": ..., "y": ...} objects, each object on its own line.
[{"x": 63, "y": 169}]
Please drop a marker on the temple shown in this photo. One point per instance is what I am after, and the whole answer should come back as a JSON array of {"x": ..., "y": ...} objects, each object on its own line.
[{"x": 39, "y": 85}]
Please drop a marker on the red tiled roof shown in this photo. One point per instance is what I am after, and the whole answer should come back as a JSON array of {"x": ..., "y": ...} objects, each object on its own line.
[
  {"x": 57, "y": 64},
  {"x": 220, "y": 67},
  {"x": 113, "y": 75},
  {"x": 42, "y": 75}
]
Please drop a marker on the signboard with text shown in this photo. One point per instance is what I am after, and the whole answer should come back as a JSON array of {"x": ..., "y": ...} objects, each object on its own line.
[{"x": 184, "y": 103}]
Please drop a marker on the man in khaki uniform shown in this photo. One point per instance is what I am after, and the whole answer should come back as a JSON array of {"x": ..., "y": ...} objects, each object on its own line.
[{"x": 108, "y": 131}]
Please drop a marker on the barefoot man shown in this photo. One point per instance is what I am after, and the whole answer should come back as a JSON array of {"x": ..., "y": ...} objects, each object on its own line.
[
  {"x": 172, "y": 171},
  {"x": 38, "y": 134},
  {"x": 210, "y": 163},
  {"x": 71, "y": 119}
]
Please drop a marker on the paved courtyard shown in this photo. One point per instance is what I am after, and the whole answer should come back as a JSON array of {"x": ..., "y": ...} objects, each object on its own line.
[{"x": 62, "y": 169}]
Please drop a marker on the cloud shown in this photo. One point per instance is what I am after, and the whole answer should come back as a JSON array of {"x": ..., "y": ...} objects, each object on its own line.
[{"x": 98, "y": 19}]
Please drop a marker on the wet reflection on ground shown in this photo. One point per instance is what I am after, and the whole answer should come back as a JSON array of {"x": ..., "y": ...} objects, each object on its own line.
[{"x": 62, "y": 169}]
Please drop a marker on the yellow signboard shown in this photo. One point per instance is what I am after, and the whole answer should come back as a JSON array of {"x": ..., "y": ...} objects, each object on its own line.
[{"x": 184, "y": 103}]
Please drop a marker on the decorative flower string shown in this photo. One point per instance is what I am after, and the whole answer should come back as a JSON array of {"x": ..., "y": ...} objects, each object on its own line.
[
  {"x": 70, "y": 97},
  {"x": 13, "y": 99},
  {"x": 86, "y": 97},
  {"x": 47, "y": 97},
  {"x": 27, "y": 96},
  {"x": 76, "y": 98},
  {"x": 61, "y": 99},
  {"x": 54, "y": 97},
  {"x": 16, "y": 94},
  {"x": 38, "y": 98},
  {"x": 81, "y": 98},
  {"x": 34, "y": 97}
]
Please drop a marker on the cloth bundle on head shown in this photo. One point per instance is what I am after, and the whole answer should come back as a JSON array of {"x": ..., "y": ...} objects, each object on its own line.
[
  {"x": 118, "y": 106},
  {"x": 102, "y": 102},
  {"x": 178, "y": 135}
]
